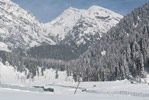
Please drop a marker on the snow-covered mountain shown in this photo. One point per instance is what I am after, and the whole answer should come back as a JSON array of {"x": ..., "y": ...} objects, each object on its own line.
[
  {"x": 121, "y": 53},
  {"x": 95, "y": 19},
  {"x": 77, "y": 30},
  {"x": 19, "y": 28}
]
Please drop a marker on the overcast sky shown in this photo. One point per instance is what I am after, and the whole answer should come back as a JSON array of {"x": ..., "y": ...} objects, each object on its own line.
[{"x": 47, "y": 10}]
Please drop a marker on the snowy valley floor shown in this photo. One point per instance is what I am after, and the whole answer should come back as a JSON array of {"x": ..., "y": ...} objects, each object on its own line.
[
  {"x": 118, "y": 90},
  {"x": 64, "y": 87},
  {"x": 7, "y": 94}
]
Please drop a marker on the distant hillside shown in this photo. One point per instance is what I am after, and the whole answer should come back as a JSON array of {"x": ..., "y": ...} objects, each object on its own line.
[
  {"x": 122, "y": 53},
  {"x": 57, "y": 52}
]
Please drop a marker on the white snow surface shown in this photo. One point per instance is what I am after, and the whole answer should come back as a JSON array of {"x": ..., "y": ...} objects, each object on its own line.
[
  {"x": 20, "y": 29},
  {"x": 4, "y": 47},
  {"x": 65, "y": 91},
  {"x": 103, "y": 53},
  {"x": 9, "y": 74},
  {"x": 102, "y": 20},
  {"x": 8, "y": 94},
  {"x": 64, "y": 87}
]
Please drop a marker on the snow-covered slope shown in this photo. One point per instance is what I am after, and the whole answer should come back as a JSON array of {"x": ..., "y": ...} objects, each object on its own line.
[
  {"x": 9, "y": 74},
  {"x": 4, "y": 47},
  {"x": 96, "y": 19},
  {"x": 19, "y": 28},
  {"x": 64, "y": 23}
]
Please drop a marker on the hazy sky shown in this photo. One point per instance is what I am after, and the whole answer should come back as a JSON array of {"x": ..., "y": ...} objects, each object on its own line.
[{"x": 47, "y": 10}]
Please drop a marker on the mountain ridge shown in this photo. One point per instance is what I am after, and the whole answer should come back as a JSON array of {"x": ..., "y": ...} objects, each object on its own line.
[
  {"x": 75, "y": 28},
  {"x": 72, "y": 15},
  {"x": 21, "y": 30},
  {"x": 122, "y": 52}
]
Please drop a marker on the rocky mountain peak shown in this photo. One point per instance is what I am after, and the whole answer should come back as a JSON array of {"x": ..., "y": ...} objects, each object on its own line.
[
  {"x": 62, "y": 25},
  {"x": 19, "y": 28}
]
